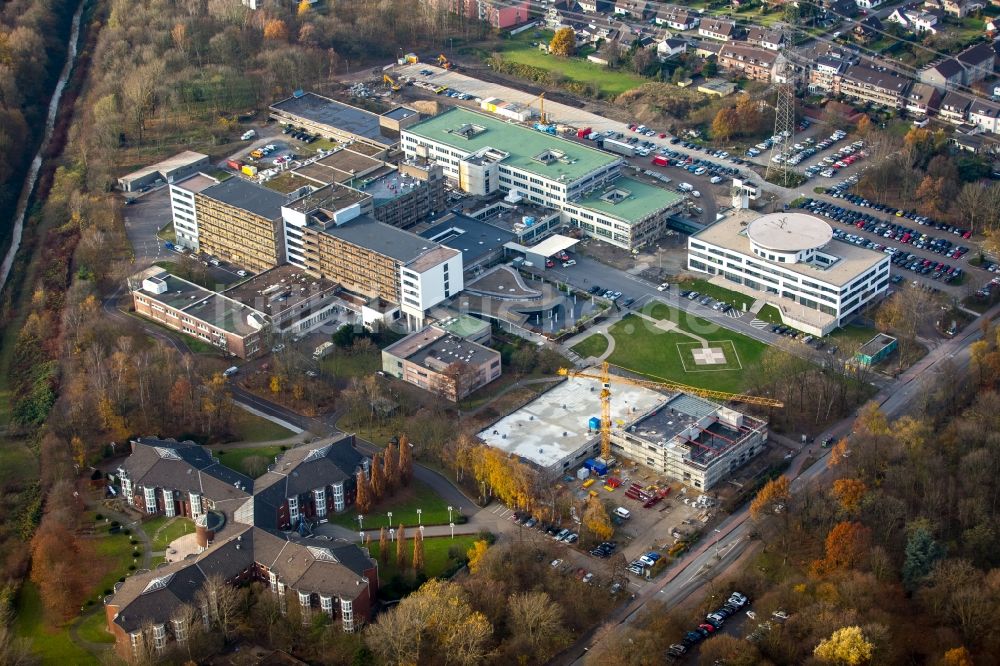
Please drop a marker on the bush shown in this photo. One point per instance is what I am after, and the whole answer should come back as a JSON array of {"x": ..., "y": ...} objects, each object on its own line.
[
  {"x": 122, "y": 579},
  {"x": 115, "y": 523},
  {"x": 136, "y": 553},
  {"x": 131, "y": 567},
  {"x": 126, "y": 531},
  {"x": 487, "y": 536},
  {"x": 98, "y": 517},
  {"x": 108, "y": 591}
]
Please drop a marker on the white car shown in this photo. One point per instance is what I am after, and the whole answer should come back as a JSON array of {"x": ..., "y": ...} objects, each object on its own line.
[
  {"x": 663, "y": 287},
  {"x": 555, "y": 563},
  {"x": 696, "y": 194},
  {"x": 780, "y": 614},
  {"x": 751, "y": 615},
  {"x": 715, "y": 180}
]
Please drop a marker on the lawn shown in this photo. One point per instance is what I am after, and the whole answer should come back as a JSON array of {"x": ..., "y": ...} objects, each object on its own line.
[
  {"x": 116, "y": 551},
  {"x": 53, "y": 646},
  {"x": 769, "y": 313},
  {"x": 436, "y": 559},
  {"x": 852, "y": 336},
  {"x": 611, "y": 82},
  {"x": 739, "y": 301},
  {"x": 236, "y": 458},
  {"x": 93, "y": 628},
  {"x": 252, "y": 428},
  {"x": 344, "y": 365},
  {"x": 661, "y": 354},
  {"x": 595, "y": 345},
  {"x": 403, "y": 505},
  {"x": 162, "y": 530}
]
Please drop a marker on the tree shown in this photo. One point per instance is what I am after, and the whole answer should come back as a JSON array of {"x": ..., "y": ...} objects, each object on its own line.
[
  {"x": 255, "y": 466},
  {"x": 390, "y": 457},
  {"x": 849, "y": 493},
  {"x": 275, "y": 384},
  {"x": 847, "y": 646},
  {"x": 846, "y": 544},
  {"x": 723, "y": 126},
  {"x": 15, "y": 651},
  {"x": 383, "y": 546},
  {"x": 363, "y": 499},
  {"x": 971, "y": 205},
  {"x": 377, "y": 480},
  {"x": 776, "y": 491},
  {"x": 536, "y": 619},
  {"x": 405, "y": 460},
  {"x": 222, "y": 602},
  {"x": 401, "y": 548},
  {"x": 710, "y": 68},
  {"x": 921, "y": 554},
  {"x": 476, "y": 553},
  {"x": 275, "y": 30},
  {"x": 596, "y": 519},
  {"x": 957, "y": 657},
  {"x": 418, "y": 551},
  {"x": 563, "y": 43},
  {"x": 304, "y": 8}
]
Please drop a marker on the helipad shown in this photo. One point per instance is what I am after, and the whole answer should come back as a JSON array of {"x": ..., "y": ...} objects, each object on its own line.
[
  {"x": 789, "y": 232},
  {"x": 552, "y": 430}
]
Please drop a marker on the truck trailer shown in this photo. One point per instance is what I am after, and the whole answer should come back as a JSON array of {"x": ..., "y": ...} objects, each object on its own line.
[{"x": 620, "y": 147}]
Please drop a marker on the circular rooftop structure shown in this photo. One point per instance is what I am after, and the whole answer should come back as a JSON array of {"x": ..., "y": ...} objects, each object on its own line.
[{"x": 789, "y": 232}]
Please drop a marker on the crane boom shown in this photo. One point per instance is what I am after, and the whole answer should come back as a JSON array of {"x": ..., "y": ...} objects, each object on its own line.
[{"x": 606, "y": 378}]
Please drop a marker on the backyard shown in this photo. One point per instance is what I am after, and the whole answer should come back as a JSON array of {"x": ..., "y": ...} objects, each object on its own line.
[
  {"x": 162, "y": 530},
  {"x": 403, "y": 505},
  {"x": 611, "y": 83},
  {"x": 252, "y": 462}
]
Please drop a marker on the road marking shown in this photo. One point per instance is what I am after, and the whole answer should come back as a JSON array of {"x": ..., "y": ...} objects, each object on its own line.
[
  {"x": 734, "y": 313},
  {"x": 758, "y": 323}
]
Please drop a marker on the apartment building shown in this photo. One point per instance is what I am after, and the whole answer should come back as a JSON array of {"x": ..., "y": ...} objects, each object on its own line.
[
  {"x": 183, "y": 211},
  {"x": 922, "y": 99},
  {"x": 308, "y": 484},
  {"x": 239, "y": 540},
  {"x": 408, "y": 195},
  {"x": 756, "y": 64},
  {"x": 240, "y": 222},
  {"x": 483, "y": 154},
  {"x": 677, "y": 18},
  {"x": 978, "y": 61},
  {"x": 790, "y": 260},
  {"x": 877, "y": 86},
  {"x": 442, "y": 363},
  {"x": 985, "y": 114},
  {"x": 826, "y": 74},
  {"x": 230, "y": 325},
  {"x": 691, "y": 440},
  {"x": 718, "y": 29},
  {"x": 943, "y": 74},
  {"x": 955, "y": 108}
]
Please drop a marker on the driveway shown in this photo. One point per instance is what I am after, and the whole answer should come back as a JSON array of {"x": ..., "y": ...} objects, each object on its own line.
[{"x": 147, "y": 214}]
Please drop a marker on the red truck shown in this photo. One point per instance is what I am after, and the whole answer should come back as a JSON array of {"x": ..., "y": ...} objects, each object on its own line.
[
  {"x": 582, "y": 134},
  {"x": 235, "y": 165},
  {"x": 660, "y": 160}
]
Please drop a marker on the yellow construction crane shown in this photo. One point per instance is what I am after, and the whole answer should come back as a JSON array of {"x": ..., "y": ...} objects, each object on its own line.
[
  {"x": 606, "y": 378},
  {"x": 541, "y": 107},
  {"x": 391, "y": 82}
]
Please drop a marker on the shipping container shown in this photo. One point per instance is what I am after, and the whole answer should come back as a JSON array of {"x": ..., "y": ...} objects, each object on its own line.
[
  {"x": 323, "y": 350},
  {"x": 583, "y": 132},
  {"x": 660, "y": 160},
  {"x": 249, "y": 170},
  {"x": 235, "y": 165},
  {"x": 620, "y": 147}
]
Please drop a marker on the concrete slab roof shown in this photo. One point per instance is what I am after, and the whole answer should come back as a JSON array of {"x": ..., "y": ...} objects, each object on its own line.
[
  {"x": 640, "y": 200},
  {"x": 554, "y": 425},
  {"x": 243, "y": 194},
  {"x": 325, "y": 111},
  {"x": 523, "y": 145}
]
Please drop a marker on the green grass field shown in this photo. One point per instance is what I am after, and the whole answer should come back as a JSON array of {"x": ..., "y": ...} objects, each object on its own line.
[
  {"x": 404, "y": 507},
  {"x": 660, "y": 354},
  {"x": 852, "y": 336},
  {"x": 595, "y": 345},
  {"x": 769, "y": 313},
  {"x": 436, "y": 559},
  {"x": 162, "y": 530},
  {"x": 53, "y": 646},
  {"x": 252, "y": 428},
  {"x": 345, "y": 365},
  {"x": 236, "y": 458},
  {"x": 739, "y": 301},
  {"x": 93, "y": 628},
  {"x": 611, "y": 82},
  {"x": 116, "y": 550}
]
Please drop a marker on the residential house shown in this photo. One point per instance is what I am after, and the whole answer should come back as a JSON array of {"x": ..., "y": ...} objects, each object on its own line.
[
  {"x": 869, "y": 4},
  {"x": 772, "y": 40},
  {"x": 973, "y": 143},
  {"x": 638, "y": 9},
  {"x": 943, "y": 74},
  {"x": 868, "y": 29},
  {"x": 503, "y": 14},
  {"x": 826, "y": 73},
  {"x": 840, "y": 8},
  {"x": 718, "y": 29},
  {"x": 308, "y": 484},
  {"x": 961, "y": 8},
  {"x": 881, "y": 86},
  {"x": 594, "y": 6},
  {"x": 985, "y": 114},
  {"x": 955, "y": 108},
  {"x": 915, "y": 21},
  {"x": 669, "y": 48},
  {"x": 677, "y": 18},
  {"x": 978, "y": 62},
  {"x": 922, "y": 99},
  {"x": 753, "y": 63}
]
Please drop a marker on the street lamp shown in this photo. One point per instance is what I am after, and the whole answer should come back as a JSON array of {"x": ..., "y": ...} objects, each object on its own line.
[
  {"x": 452, "y": 526},
  {"x": 392, "y": 534},
  {"x": 361, "y": 525},
  {"x": 390, "y": 518},
  {"x": 419, "y": 521},
  {"x": 362, "y": 535},
  {"x": 719, "y": 533},
  {"x": 450, "y": 509}
]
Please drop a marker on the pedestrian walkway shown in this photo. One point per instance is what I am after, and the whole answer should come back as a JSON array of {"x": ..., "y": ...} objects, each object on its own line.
[{"x": 757, "y": 305}]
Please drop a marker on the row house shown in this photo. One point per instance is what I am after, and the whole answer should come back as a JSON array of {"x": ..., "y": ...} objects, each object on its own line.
[
  {"x": 881, "y": 87},
  {"x": 922, "y": 99},
  {"x": 171, "y": 478},
  {"x": 752, "y": 63},
  {"x": 985, "y": 114},
  {"x": 957, "y": 8},
  {"x": 955, "y": 108},
  {"x": 723, "y": 31},
  {"x": 869, "y": 4},
  {"x": 826, "y": 73},
  {"x": 970, "y": 66},
  {"x": 772, "y": 40},
  {"x": 149, "y": 615},
  {"x": 639, "y": 9},
  {"x": 677, "y": 18},
  {"x": 594, "y": 6},
  {"x": 308, "y": 484}
]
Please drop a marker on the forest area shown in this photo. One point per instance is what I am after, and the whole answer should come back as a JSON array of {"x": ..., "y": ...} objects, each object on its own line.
[{"x": 160, "y": 77}]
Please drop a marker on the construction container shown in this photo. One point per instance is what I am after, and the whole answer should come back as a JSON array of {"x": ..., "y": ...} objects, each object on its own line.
[
  {"x": 249, "y": 170},
  {"x": 594, "y": 423},
  {"x": 582, "y": 473}
]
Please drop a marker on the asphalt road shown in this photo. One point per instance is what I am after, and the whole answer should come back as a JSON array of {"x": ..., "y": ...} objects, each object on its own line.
[
  {"x": 148, "y": 213},
  {"x": 732, "y": 538}
]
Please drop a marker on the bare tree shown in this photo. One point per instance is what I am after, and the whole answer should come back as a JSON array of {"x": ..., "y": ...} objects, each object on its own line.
[{"x": 221, "y": 601}]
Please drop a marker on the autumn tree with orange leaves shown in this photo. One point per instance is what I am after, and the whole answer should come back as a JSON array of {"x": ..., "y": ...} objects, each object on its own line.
[
  {"x": 776, "y": 491},
  {"x": 849, "y": 493},
  {"x": 846, "y": 545}
]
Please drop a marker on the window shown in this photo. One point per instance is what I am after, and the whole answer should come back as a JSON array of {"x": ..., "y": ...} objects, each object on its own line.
[
  {"x": 326, "y": 604},
  {"x": 293, "y": 510},
  {"x": 319, "y": 497},
  {"x": 347, "y": 615},
  {"x": 338, "y": 497},
  {"x": 180, "y": 630},
  {"x": 168, "y": 503},
  {"x": 150, "y": 495},
  {"x": 159, "y": 637},
  {"x": 195, "y": 504}
]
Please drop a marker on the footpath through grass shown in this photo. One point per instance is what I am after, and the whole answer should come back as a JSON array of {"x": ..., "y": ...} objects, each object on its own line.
[
  {"x": 162, "y": 530},
  {"x": 403, "y": 505}
]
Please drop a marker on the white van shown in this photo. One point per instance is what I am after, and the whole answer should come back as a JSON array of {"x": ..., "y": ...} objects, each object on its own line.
[
  {"x": 249, "y": 134},
  {"x": 685, "y": 187},
  {"x": 622, "y": 512},
  {"x": 229, "y": 372}
]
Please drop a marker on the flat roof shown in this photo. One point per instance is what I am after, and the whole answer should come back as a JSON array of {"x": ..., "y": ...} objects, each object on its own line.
[
  {"x": 555, "y": 425},
  {"x": 280, "y": 289},
  {"x": 389, "y": 186},
  {"x": 435, "y": 349},
  {"x": 876, "y": 344},
  {"x": 333, "y": 197},
  {"x": 366, "y": 232},
  {"x": 728, "y": 233},
  {"x": 340, "y": 166},
  {"x": 474, "y": 239},
  {"x": 523, "y": 145},
  {"x": 248, "y": 196},
  {"x": 790, "y": 232},
  {"x": 325, "y": 111},
  {"x": 400, "y": 113},
  {"x": 553, "y": 244},
  {"x": 216, "y": 309},
  {"x": 197, "y": 182},
  {"x": 463, "y": 325},
  {"x": 639, "y": 200},
  {"x": 165, "y": 166}
]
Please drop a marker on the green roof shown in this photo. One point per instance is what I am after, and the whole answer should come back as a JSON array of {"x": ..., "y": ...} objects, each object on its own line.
[
  {"x": 644, "y": 200},
  {"x": 522, "y": 144},
  {"x": 463, "y": 325}
]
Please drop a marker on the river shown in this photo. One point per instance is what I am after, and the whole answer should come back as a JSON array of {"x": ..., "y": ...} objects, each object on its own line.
[{"x": 31, "y": 179}]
